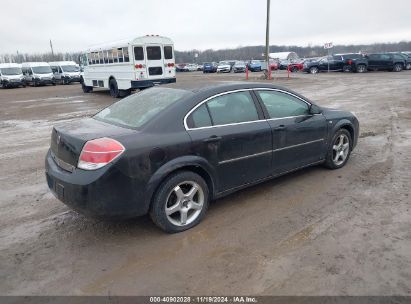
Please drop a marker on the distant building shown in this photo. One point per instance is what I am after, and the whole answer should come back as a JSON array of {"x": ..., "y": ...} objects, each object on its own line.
[{"x": 291, "y": 56}]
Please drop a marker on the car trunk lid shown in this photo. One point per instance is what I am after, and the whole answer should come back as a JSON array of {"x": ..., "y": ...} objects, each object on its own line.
[{"x": 68, "y": 140}]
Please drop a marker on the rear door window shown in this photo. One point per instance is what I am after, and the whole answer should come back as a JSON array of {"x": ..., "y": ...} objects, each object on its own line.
[
  {"x": 168, "y": 52},
  {"x": 153, "y": 53},
  {"x": 138, "y": 53},
  {"x": 281, "y": 105},
  {"x": 232, "y": 108},
  {"x": 199, "y": 118}
]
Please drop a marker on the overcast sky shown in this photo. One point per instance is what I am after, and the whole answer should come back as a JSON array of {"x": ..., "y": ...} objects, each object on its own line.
[{"x": 27, "y": 25}]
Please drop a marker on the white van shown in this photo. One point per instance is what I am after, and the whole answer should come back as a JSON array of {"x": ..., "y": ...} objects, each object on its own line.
[
  {"x": 130, "y": 64},
  {"x": 65, "y": 72},
  {"x": 38, "y": 73},
  {"x": 11, "y": 75}
]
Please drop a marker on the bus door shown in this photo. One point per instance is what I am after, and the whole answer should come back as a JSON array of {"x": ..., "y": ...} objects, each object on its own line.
[
  {"x": 155, "y": 61},
  {"x": 140, "y": 67},
  {"x": 169, "y": 62}
]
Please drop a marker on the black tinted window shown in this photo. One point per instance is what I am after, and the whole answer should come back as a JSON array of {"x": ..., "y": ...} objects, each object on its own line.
[
  {"x": 168, "y": 52},
  {"x": 232, "y": 108},
  {"x": 281, "y": 105},
  {"x": 138, "y": 53},
  {"x": 352, "y": 56},
  {"x": 199, "y": 118},
  {"x": 153, "y": 53}
]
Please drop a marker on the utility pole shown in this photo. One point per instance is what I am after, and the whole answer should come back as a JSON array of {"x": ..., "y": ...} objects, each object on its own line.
[
  {"x": 267, "y": 39},
  {"x": 52, "y": 52}
]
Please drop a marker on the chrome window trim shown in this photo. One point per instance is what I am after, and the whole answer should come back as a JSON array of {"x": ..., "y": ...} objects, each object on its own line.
[{"x": 244, "y": 122}]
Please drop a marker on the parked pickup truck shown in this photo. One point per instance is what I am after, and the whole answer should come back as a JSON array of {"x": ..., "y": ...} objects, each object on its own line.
[
  {"x": 386, "y": 61},
  {"x": 337, "y": 63}
]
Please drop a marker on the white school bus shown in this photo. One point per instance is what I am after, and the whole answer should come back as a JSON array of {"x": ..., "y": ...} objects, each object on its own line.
[{"x": 125, "y": 65}]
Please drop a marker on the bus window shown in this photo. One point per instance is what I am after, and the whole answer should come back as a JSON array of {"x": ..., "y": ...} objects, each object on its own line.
[
  {"x": 120, "y": 55},
  {"x": 168, "y": 52},
  {"x": 125, "y": 51},
  {"x": 101, "y": 57},
  {"x": 153, "y": 53},
  {"x": 115, "y": 55},
  {"x": 138, "y": 53},
  {"x": 110, "y": 56},
  {"x": 105, "y": 56}
]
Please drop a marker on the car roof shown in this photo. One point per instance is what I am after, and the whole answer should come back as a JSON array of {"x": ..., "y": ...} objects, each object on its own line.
[{"x": 216, "y": 87}]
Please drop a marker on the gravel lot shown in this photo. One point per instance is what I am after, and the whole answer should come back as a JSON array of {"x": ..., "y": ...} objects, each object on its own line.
[{"x": 314, "y": 232}]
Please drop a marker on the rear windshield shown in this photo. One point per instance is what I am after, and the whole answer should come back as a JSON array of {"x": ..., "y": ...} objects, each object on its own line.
[{"x": 137, "y": 109}]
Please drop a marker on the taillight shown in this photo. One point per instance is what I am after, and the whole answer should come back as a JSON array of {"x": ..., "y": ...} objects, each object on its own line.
[
  {"x": 99, "y": 152},
  {"x": 350, "y": 62},
  {"x": 170, "y": 65},
  {"x": 139, "y": 66}
]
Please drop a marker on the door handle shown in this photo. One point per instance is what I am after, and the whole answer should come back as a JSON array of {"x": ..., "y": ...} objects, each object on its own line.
[
  {"x": 213, "y": 138},
  {"x": 279, "y": 128}
]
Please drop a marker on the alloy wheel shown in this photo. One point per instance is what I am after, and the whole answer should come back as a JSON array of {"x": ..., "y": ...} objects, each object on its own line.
[
  {"x": 341, "y": 149},
  {"x": 184, "y": 203}
]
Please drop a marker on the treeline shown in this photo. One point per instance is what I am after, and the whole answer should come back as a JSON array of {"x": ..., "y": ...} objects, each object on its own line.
[
  {"x": 240, "y": 53},
  {"x": 255, "y": 52},
  {"x": 47, "y": 57}
]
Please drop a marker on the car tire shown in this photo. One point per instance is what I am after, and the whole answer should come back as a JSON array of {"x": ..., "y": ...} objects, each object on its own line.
[
  {"x": 86, "y": 89},
  {"x": 361, "y": 68},
  {"x": 346, "y": 68},
  {"x": 294, "y": 69},
  {"x": 171, "y": 208},
  {"x": 397, "y": 67},
  {"x": 313, "y": 70},
  {"x": 339, "y": 150},
  {"x": 114, "y": 91}
]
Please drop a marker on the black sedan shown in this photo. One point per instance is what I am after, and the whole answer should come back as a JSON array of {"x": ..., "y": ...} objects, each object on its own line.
[{"x": 168, "y": 151}]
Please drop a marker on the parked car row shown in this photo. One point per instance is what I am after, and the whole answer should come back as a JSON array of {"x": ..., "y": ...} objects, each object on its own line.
[
  {"x": 38, "y": 73},
  {"x": 360, "y": 63}
]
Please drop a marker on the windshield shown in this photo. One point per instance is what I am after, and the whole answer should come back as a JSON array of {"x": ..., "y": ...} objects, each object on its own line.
[
  {"x": 41, "y": 70},
  {"x": 70, "y": 68},
  {"x": 139, "y": 108},
  {"x": 224, "y": 63},
  {"x": 239, "y": 63},
  {"x": 11, "y": 71}
]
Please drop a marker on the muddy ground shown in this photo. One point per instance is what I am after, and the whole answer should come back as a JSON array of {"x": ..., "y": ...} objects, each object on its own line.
[{"x": 313, "y": 232}]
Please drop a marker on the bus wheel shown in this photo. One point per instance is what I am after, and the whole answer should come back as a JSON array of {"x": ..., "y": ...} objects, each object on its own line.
[
  {"x": 114, "y": 91},
  {"x": 124, "y": 93},
  {"x": 86, "y": 89}
]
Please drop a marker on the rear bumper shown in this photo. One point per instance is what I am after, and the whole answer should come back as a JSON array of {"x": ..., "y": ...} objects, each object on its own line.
[
  {"x": 105, "y": 192},
  {"x": 139, "y": 84}
]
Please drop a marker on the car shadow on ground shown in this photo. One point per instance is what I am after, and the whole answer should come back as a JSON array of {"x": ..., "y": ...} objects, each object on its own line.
[{"x": 79, "y": 226}]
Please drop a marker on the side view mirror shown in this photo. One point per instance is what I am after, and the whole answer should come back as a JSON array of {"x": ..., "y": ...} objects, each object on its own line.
[{"x": 314, "y": 109}]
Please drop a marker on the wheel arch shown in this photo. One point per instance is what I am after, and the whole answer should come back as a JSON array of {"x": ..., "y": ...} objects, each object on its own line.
[
  {"x": 110, "y": 78},
  {"x": 194, "y": 164},
  {"x": 347, "y": 125}
]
